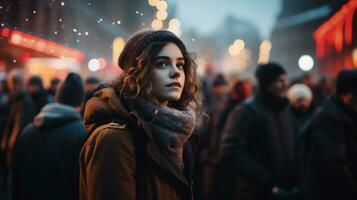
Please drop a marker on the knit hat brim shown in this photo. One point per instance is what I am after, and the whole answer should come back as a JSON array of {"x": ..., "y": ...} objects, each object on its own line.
[
  {"x": 266, "y": 74},
  {"x": 143, "y": 39}
]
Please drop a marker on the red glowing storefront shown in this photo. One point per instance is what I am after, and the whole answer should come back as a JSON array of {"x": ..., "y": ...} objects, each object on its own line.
[
  {"x": 37, "y": 56},
  {"x": 336, "y": 41}
]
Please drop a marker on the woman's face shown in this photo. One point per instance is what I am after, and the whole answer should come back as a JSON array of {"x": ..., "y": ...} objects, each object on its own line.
[{"x": 168, "y": 76}]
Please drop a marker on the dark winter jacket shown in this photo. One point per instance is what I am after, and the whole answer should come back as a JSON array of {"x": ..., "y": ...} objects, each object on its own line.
[
  {"x": 46, "y": 159},
  {"x": 20, "y": 113},
  {"x": 40, "y": 99},
  {"x": 121, "y": 160},
  {"x": 328, "y": 146},
  {"x": 258, "y": 146}
]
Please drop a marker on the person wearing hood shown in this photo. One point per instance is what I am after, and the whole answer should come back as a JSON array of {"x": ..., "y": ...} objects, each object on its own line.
[
  {"x": 141, "y": 143},
  {"x": 258, "y": 141},
  {"x": 328, "y": 145},
  {"x": 45, "y": 162}
]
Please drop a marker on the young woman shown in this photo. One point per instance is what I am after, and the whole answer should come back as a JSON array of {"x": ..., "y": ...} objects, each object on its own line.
[{"x": 141, "y": 144}]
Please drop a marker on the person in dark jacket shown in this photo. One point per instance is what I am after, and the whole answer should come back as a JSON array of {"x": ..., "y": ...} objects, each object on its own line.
[
  {"x": 141, "y": 144},
  {"x": 37, "y": 92},
  {"x": 21, "y": 110},
  {"x": 46, "y": 159},
  {"x": 4, "y": 96},
  {"x": 206, "y": 154},
  {"x": 258, "y": 141},
  {"x": 51, "y": 90},
  {"x": 90, "y": 84},
  {"x": 300, "y": 98},
  {"x": 329, "y": 145}
]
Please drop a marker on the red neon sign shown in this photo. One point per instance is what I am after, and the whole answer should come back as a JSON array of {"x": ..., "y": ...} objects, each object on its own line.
[
  {"x": 41, "y": 45},
  {"x": 5, "y": 32},
  {"x": 337, "y": 31}
]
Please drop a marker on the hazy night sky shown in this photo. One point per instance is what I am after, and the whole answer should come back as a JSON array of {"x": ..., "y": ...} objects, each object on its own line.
[{"x": 205, "y": 15}]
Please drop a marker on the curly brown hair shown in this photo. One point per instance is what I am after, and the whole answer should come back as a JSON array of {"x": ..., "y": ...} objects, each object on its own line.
[{"x": 135, "y": 82}]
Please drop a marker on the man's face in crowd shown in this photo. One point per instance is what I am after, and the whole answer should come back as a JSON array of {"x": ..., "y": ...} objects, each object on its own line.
[
  {"x": 280, "y": 86},
  {"x": 301, "y": 104}
]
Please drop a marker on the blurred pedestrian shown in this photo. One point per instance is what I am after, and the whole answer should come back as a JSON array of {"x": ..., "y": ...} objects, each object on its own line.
[
  {"x": 51, "y": 91},
  {"x": 141, "y": 144},
  {"x": 207, "y": 154},
  {"x": 90, "y": 84},
  {"x": 258, "y": 142},
  {"x": 20, "y": 113},
  {"x": 37, "y": 92},
  {"x": 4, "y": 107},
  {"x": 241, "y": 91},
  {"x": 46, "y": 164},
  {"x": 219, "y": 91},
  {"x": 300, "y": 97},
  {"x": 4, "y": 97},
  {"x": 328, "y": 145},
  {"x": 324, "y": 89}
]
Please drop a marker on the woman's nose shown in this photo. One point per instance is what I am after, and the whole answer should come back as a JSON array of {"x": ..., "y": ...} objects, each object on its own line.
[{"x": 175, "y": 72}]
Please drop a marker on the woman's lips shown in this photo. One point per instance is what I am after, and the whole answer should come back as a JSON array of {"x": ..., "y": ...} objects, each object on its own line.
[{"x": 174, "y": 84}]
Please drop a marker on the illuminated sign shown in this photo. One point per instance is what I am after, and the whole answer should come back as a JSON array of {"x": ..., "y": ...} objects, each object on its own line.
[
  {"x": 28, "y": 41},
  {"x": 337, "y": 31}
]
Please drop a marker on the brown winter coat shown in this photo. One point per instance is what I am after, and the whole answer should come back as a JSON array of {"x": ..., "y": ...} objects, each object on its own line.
[{"x": 121, "y": 160}]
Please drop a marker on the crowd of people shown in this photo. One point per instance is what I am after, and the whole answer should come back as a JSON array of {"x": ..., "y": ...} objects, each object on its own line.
[{"x": 161, "y": 132}]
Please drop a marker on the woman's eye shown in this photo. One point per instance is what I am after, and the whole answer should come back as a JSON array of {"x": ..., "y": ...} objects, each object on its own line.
[
  {"x": 162, "y": 65},
  {"x": 180, "y": 65}
]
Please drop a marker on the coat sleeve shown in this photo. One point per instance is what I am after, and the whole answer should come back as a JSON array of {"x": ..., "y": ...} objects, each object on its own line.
[
  {"x": 239, "y": 125},
  {"x": 17, "y": 168},
  {"x": 329, "y": 163},
  {"x": 107, "y": 166}
]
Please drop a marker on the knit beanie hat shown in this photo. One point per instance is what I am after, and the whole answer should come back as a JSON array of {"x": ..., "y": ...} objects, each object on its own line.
[
  {"x": 299, "y": 91},
  {"x": 137, "y": 44},
  {"x": 266, "y": 74},
  {"x": 71, "y": 91},
  {"x": 346, "y": 81}
]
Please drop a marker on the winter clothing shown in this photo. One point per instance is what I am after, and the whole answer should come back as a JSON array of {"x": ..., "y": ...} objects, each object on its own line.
[
  {"x": 21, "y": 112},
  {"x": 258, "y": 147},
  {"x": 127, "y": 154},
  {"x": 171, "y": 128},
  {"x": 300, "y": 117},
  {"x": 71, "y": 91},
  {"x": 346, "y": 81},
  {"x": 300, "y": 113},
  {"x": 40, "y": 99},
  {"x": 299, "y": 91},
  {"x": 46, "y": 157},
  {"x": 267, "y": 74},
  {"x": 136, "y": 45},
  {"x": 37, "y": 92},
  {"x": 328, "y": 153}
]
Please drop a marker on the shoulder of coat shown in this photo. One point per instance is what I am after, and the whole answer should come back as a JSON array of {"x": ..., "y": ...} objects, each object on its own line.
[
  {"x": 111, "y": 126},
  {"x": 115, "y": 125},
  {"x": 108, "y": 130}
]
